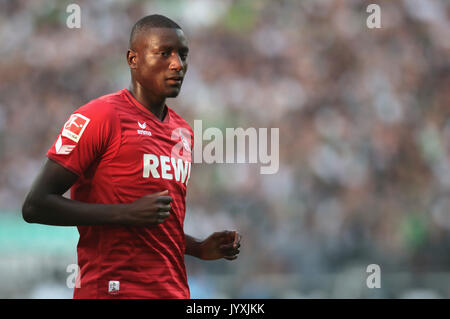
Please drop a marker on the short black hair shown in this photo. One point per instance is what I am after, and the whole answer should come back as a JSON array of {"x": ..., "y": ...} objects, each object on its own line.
[{"x": 151, "y": 21}]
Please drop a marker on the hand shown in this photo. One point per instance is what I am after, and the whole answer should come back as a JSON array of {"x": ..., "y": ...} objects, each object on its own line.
[
  {"x": 149, "y": 210},
  {"x": 224, "y": 244}
]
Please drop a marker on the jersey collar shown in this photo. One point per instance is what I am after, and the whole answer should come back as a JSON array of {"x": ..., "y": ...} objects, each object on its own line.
[{"x": 145, "y": 110}]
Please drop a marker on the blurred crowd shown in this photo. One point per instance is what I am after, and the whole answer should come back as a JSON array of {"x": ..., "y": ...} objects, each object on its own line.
[{"x": 363, "y": 114}]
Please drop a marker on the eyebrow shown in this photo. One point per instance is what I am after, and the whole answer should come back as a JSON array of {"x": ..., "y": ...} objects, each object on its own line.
[{"x": 170, "y": 47}]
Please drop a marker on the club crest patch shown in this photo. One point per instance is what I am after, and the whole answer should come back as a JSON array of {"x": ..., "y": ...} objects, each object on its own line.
[{"x": 113, "y": 287}]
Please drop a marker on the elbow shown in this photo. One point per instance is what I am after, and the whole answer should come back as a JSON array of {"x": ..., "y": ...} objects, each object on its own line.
[{"x": 29, "y": 211}]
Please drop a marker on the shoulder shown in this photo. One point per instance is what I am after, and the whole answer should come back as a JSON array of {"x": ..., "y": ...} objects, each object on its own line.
[{"x": 102, "y": 108}]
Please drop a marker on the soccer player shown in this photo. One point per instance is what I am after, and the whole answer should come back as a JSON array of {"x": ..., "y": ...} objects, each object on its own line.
[{"x": 126, "y": 158}]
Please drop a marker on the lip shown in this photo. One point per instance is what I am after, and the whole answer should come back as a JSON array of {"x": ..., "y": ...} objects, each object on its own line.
[{"x": 175, "y": 80}]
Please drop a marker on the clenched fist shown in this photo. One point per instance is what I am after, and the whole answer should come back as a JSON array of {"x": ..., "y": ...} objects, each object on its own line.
[{"x": 149, "y": 210}]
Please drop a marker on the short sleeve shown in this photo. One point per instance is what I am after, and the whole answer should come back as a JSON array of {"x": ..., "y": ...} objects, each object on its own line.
[{"x": 85, "y": 137}]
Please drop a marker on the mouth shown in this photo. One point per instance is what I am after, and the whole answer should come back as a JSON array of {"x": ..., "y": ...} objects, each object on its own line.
[{"x": 175, "y": 80}]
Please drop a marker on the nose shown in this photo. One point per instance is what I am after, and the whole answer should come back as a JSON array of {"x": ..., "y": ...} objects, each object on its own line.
[{"x": 176, "y": 63}]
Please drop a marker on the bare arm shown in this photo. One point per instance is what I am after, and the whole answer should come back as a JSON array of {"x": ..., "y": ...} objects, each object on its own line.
[
  {"x": 45, "y": 204},
  {"x": 192, "y": 246}
]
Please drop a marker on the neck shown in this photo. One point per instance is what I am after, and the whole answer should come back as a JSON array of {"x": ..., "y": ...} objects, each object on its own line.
[{"x": 156, "y": 105}]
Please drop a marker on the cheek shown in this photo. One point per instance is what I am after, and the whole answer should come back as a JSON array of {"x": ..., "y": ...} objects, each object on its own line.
[
  {"x": 149, "y": 66},
  {"x": 151, "y": 75}
]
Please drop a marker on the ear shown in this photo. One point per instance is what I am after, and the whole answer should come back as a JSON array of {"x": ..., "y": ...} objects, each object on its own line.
[{"x": 132, "y": 58}]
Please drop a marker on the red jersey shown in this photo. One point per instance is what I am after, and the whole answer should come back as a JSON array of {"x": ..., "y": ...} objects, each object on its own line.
[{"x": 121, "y": 152}]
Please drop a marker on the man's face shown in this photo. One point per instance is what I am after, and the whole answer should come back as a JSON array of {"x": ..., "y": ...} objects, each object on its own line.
[{"x": 159, "y": 62}]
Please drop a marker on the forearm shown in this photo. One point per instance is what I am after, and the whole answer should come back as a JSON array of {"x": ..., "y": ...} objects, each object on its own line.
[
  {"x": 52, "y": 209},
  {"x": 193, "y": 246}
]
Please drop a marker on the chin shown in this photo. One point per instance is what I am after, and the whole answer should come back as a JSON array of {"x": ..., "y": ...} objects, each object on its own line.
[{"x": 173, "y": 93}]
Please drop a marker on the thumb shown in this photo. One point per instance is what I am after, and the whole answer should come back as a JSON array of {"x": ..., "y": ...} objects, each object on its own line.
[{"x": 163, "y": 193}]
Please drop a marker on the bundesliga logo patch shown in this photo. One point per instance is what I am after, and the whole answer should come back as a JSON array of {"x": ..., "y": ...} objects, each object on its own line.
[{"x": 75, "y": 126}]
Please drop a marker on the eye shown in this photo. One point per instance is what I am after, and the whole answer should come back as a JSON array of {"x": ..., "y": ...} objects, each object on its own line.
[
  {"x": 165, "y": 54},
  {"x": 183, "y": 54}
]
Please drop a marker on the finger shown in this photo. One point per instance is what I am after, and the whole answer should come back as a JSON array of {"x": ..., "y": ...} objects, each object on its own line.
[
  {"x": 227, "y": 236},
  {"x": 230, "y": 257},
  {"x": 164, "y": 208},
  {"x": 230, "y": 246},
  {"x": 233, "y": 253},
  {"x": 229, "y": 251},
  {"x": 161, "y": 193},
  {"x": 160, "y": 219},
  {"x": 164, "y": 199},
  {"x": 230, "y": 237},
  {"x": 226, "y": 247},
  {"x": 236, "y": 239},
  {"x": 163, "y": 215},
  {"x": 222, "y": 234}
]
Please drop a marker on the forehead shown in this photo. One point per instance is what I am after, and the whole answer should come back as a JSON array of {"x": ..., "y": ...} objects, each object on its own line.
[{"x": 163, "y": 37}]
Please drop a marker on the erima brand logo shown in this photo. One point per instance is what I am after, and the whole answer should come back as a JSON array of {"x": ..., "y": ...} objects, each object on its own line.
[
  {"x": 113, "y": 287},
  {"x": 75, "y": 126},
  {"x": 142, "y": 126},
  {"x": 142, "y": 131},
  {"x": 63, "y": 149},
  {"x": 166, "y": 167}
]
